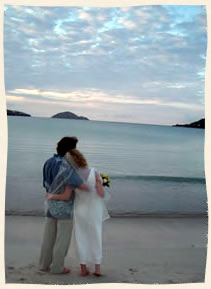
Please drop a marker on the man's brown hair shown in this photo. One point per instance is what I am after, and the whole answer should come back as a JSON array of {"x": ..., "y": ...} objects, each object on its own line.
[{"x": 66, "y": 144}]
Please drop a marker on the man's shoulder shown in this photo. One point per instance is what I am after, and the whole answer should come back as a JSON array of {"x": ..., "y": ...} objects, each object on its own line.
[{"x": 54, "y": 159}]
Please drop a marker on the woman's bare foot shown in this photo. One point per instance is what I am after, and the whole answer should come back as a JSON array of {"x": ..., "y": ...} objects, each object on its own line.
[
  {"x": 97, "y": 270},
  {"x": 83, "y": 274},
  {"x": 84, "y": 270},
  {"x": 97, "y": 274}
]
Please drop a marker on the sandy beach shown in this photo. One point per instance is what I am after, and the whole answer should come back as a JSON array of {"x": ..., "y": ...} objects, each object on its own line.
[{"x": 136, "y": 250}]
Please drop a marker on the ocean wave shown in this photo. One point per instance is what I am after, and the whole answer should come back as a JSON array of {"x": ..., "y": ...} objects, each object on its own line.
[{"x": 160, "y": 178}]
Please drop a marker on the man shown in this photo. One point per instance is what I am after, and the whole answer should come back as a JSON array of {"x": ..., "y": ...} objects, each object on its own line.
[{"x": 59, "y": 177}]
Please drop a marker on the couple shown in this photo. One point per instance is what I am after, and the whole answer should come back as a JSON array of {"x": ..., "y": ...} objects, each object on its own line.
[{"x": 74, "y": 210}]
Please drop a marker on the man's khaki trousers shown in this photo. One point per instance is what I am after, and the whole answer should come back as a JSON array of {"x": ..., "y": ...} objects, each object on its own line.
[{"x": 56, "y": 241}]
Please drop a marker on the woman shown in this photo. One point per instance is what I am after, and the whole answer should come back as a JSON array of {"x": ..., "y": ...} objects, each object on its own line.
[{"x": 89, "y": 212}]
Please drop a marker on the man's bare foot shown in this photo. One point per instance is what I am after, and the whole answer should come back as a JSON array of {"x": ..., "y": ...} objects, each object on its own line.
[
  {"x": 64, "y": 271},
  {"x": 44, "y": 269}
]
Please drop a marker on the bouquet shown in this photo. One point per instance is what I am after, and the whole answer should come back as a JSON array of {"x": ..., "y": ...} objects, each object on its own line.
[{"x": 106, "y": 180}]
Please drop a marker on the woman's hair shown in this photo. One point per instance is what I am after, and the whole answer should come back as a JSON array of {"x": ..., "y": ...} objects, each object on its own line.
[
  {"x": 78, "y": 158},
  {"x": 66, "y": 144}
]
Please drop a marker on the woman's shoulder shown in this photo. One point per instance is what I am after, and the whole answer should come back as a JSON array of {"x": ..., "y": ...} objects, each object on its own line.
[{"x": 94, "y": 170}]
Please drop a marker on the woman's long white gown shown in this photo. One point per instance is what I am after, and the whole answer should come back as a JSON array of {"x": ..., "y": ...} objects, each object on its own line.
[{"x": 89, "y": 212}]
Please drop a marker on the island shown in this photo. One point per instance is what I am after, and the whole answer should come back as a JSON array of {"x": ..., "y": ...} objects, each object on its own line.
[
  {"x": 197, "y": 124},
  {"x": 17, "y": 113},
  {"x": 69, "y": 115}
]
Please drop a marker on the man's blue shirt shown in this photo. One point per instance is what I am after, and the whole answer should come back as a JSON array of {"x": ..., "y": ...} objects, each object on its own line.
[{"x": 50, "y": 170}]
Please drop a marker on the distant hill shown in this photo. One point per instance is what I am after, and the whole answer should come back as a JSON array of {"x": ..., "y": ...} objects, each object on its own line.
[
  {"x": 16, "y": 113},
  {"x": 197, "y": 124},
  {"x": 69, "y": 115}
]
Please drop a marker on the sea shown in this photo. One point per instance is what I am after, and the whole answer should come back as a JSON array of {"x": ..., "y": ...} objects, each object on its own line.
[{"x": 154, "y": 170}]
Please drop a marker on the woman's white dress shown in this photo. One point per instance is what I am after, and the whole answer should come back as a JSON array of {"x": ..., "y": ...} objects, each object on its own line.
[{"x": 89, "y": 212}]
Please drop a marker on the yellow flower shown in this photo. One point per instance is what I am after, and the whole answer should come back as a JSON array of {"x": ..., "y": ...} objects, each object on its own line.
[{"x": 105, "y": 179}]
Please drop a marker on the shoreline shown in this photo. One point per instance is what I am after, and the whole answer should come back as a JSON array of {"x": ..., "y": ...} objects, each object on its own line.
[
  {"x": 118, "y": 215},
  {"x": 135, "y": 250}
]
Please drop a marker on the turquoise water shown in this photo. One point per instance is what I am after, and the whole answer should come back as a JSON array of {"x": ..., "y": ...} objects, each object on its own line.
[{"x": 154, "y": 169}]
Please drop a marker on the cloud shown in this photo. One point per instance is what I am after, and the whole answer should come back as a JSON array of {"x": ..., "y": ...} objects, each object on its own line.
[
  {"x": 126, "y": 23},
  {"x": 99, "y": 97},
  {"x": 152, "y": 55},
  {"x": 13, "y": 98},
  {"x": 85, "y": 16}
]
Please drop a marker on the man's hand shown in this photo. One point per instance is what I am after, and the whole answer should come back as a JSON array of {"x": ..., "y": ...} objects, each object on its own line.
[
  {"x": 83, "y": 187},
  {"x": 65, "y": 196},
  {"x": 49, "y": 196}
]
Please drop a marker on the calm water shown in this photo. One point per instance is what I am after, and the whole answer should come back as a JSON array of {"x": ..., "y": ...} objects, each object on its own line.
[{"x": 154, "y": 169}]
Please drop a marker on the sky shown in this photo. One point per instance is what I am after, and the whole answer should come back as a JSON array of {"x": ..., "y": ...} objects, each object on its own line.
[{"x": 142, "y": 64}]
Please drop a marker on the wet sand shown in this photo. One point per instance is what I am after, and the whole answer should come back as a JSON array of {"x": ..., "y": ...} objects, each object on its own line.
[{"x": 143, "y": 250}]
